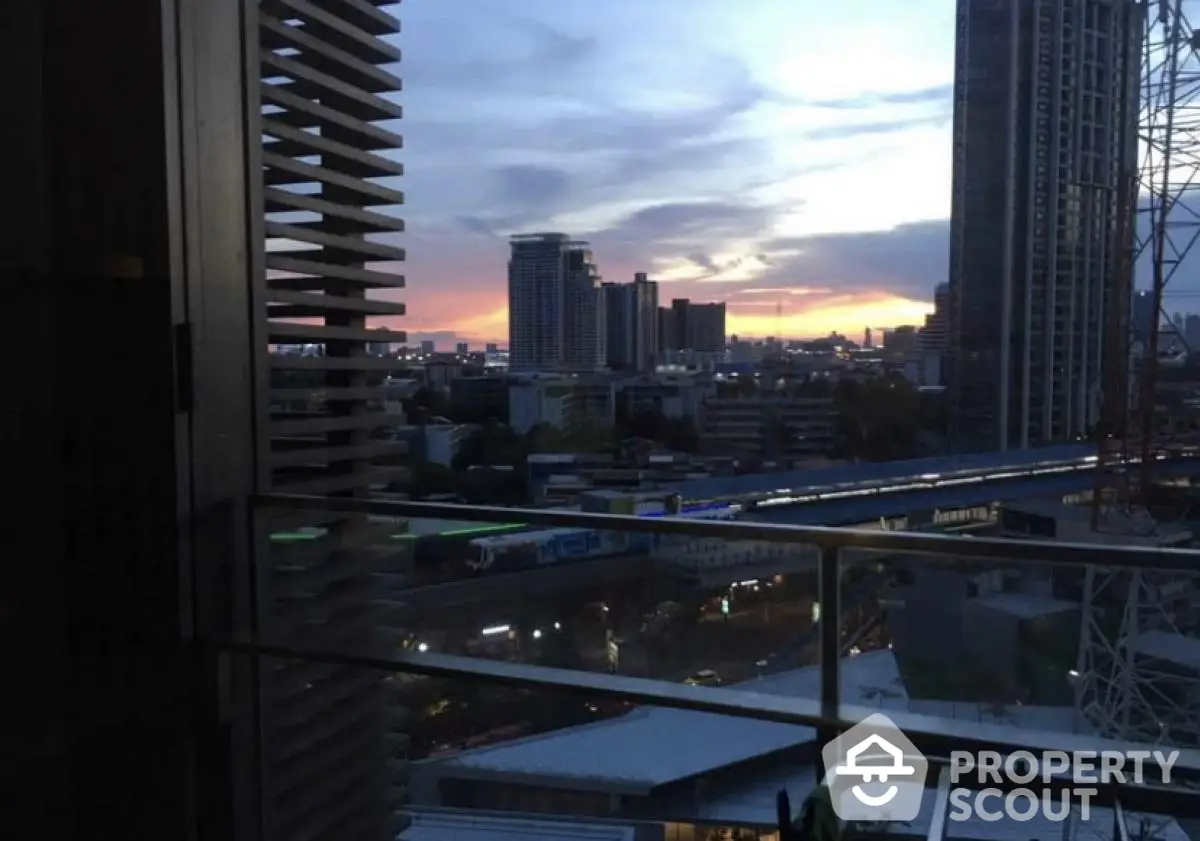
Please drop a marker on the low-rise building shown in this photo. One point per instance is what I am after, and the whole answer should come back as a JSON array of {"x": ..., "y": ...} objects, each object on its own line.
[
  {"x": 541, "y": 400},
  {"x": 768, "y": 427},
  {"x": 675, "y": 395},
  {"x": 563, "y": 401},
  {"x": 681, "y": 775},
  {"x": 435, "y": 442}
]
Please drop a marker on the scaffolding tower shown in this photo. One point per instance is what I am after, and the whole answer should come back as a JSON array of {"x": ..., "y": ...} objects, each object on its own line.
[{"x": 1138, "y": 633}]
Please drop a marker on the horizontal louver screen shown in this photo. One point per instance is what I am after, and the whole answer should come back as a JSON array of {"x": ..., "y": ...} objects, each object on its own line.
[{"x": 333, "y": 762}]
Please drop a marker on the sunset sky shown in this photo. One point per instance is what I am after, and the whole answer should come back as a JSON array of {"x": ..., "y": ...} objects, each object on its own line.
[{"x": 756, "y": 152}]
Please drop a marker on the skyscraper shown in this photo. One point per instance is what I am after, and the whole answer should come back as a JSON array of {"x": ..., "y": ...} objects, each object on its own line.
[
  {"x": 694, "y": 327},
  {"x": 583, "y": 346},
  {"x": 933, "y": 336},
  {"x": 631, "y": 324},
  {"x": 1045, "y": 111},
  {"x": 555, "y": 320}
]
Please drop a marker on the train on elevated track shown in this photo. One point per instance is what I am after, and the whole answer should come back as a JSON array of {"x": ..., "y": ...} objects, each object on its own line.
[
  {"x": 511, "y": 547},
  {"x": 543, "y": 547},
  {"x": 531, "y": 549}
]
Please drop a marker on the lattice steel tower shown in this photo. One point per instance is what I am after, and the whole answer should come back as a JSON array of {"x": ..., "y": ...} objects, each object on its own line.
[{"x": 1138, "y": 627}]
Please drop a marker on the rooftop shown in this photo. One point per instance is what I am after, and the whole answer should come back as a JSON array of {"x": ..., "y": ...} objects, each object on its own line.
[
  {"x": 752, "y": 803},
  {"x": 1027, "y": 605},
  {"x": 469, "y": 826},
  {"x": 652, "y": 746}
]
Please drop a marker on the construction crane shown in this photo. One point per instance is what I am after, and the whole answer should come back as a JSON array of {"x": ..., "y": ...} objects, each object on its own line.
[{"x": 1131, "y": 618}]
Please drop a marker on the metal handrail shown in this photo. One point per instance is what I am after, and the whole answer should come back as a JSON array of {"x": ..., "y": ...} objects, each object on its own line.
[
  {"x": 1022, "y": 551},
  {"x": 934, "y": 736},
  {"x": 826, "y": 714}
]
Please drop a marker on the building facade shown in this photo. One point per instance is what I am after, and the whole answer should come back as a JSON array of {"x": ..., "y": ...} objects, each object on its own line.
[
  {"x": 552, "y": 400},
  {"x": 688, "y": 326},
  {"x": 631, "y": 324},
  {"x": 935, "y": 333},
  {"x": 555, "y": 317},
  {"x": 768, "y": 427},
  {"x": 900, "y": 344},
  {"x": 1045, "y": 118}
]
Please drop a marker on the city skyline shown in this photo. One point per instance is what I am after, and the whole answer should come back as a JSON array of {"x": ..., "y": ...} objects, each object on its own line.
[{"x": 739, "y": 169}]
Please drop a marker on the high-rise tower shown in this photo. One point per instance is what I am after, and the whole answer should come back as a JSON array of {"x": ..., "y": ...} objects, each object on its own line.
[
  {"x": 697, "y": 327},
  {"x": 555, "y": 317},
  {"x": 933, "y": 335},
  {"x": 1045, "y": 124},
  {"x": 631, "y": 324}
]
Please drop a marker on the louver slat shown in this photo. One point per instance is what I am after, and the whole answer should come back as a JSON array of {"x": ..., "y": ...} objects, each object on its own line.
[
  {"x": 305, "y": 81},
  {"x": 304, "y": 113},
  {"x": 294, "y": 143},
  {"x": 307, "y": 275}
]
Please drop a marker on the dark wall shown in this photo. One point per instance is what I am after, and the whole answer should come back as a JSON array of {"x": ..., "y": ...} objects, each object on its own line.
[
  {"x": 91, "y": 595},
  {"x": 107, "y": 717}
]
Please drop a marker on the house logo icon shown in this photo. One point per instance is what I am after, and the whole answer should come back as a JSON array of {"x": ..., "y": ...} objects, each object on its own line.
[{"x": 874, "y": 773}]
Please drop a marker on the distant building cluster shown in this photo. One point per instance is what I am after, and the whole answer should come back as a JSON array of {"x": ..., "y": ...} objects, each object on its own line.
[
  {"x": 563, "y": 317},
  {"x": 1016, "y": 335},
  {"x": 1178, "y": 335}
]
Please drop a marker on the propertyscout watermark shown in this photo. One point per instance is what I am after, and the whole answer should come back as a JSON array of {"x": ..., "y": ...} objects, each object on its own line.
[
  {"x": 875, "y": 773},
  {"x": 1050, "y": 783}
]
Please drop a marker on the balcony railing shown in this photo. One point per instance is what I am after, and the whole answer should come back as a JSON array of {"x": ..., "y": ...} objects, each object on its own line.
[{"x": 687, "y": 668}]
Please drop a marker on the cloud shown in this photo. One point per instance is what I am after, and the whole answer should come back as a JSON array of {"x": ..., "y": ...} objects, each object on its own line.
[
  {"x": 553, "y": 161},
  {"x": 698, "y": 240},
  {"x": 622, "y": 124},
  {"x": 908, "y": 260},
  {"x": 883, "y": 127},
  {"x": 839, "y": 281},
  {"x": 776, "y": 291},
  {"x": 484, "y": 47},
  {"x": 475, "y": 225},
  {"x": 674, "y": 221},
  {"x": 441, "y": 338},
  {"x": 937, "y": 94},
  {"x": 527, "y": 193}
]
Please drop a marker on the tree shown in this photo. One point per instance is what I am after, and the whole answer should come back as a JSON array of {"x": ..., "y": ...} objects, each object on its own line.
[
  {"x": 546, "y": 438},
  {"x": 878, "y": 420},
  {"x": 682, "y": 436},
  {"x": 585, "y": 437},
  {"x": 650, "y": 424},
  {"x": 495, "y": 486},
  {"x": 678, "y": 434},
  {"x": 589, "y": 437},
  {"x": 428, "y": 478},
  {"x": 493, "y": 444},
  {"x": 423, "y": 404}
]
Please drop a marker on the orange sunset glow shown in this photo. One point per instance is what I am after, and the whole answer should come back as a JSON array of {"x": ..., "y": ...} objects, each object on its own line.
[{"x": 479, "y": 319}]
